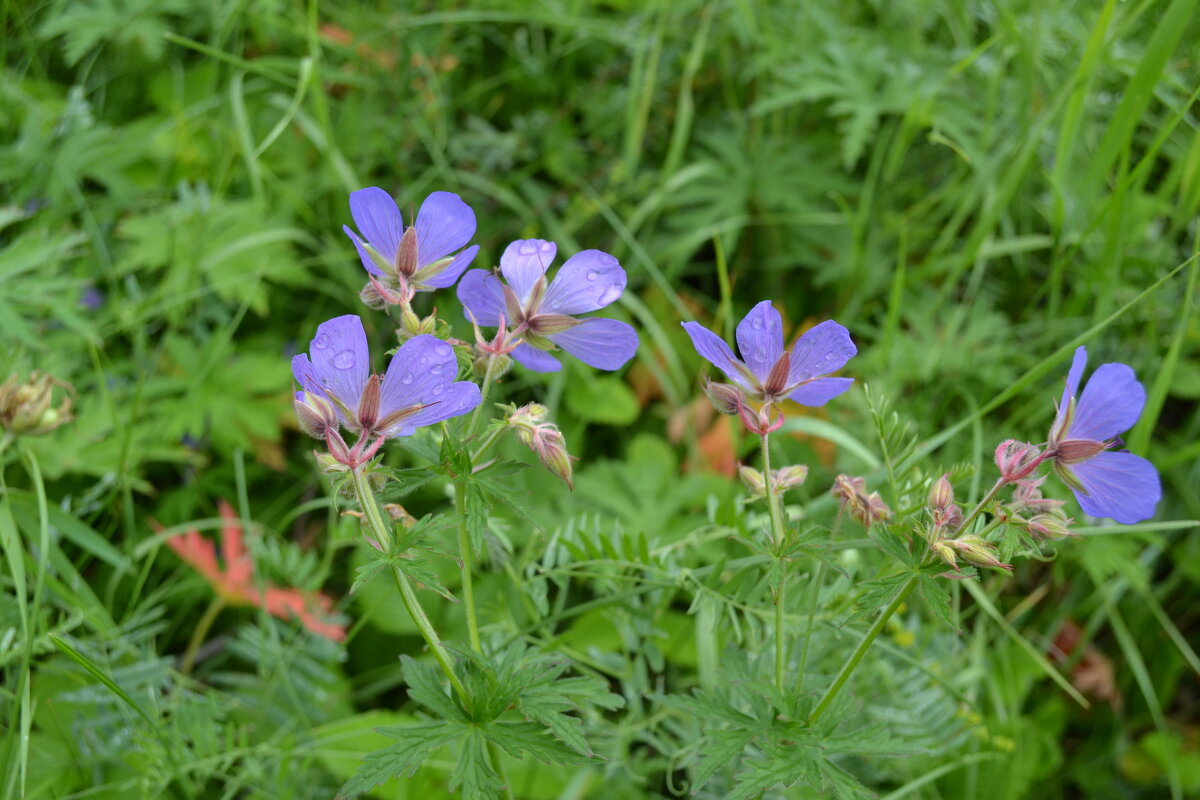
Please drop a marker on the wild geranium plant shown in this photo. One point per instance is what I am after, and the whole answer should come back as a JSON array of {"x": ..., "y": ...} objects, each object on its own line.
[{"x": 775, "y": 712}]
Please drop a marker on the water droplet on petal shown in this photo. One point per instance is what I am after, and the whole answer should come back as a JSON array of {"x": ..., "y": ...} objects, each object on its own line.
[
  {"x": 438, "y": 388},
  {"x": 756, "y": 323},
  {"x": 528, "y": 248},
  {"x": 610, "y": 295},
  {"x": 344, "y": 359},
  {"x": 437, "y": 369},
  {"x": 760, "y": 355},
  {"x": 408, "y": 378},
  {"x": 592, "y": 274},
  {"x": 424, "y": 360},
  {"x": 321, "y": 342}
]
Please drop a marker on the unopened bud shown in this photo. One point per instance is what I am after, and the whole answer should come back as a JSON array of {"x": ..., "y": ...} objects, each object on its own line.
[
  {"x": 372, "y": 297},
  {"x": 853, "y": 498},
  {"x": 328, "y": 464},
  {"x": 543, "y": 438},
  {"x": 946, "y": 553},
  {"x": 753, "y": 479},
  {"x": 1016, "y": 460},
  {"x": 976, "y": 551},
  {"x": 786, "y": 478},
  {"x": 725, "y": 397},
  {"x": 941, "y": 493},
  {"x": 338, "y": 449},
  {"x": 315, "y": 414},
  {"x": 759, "y": 422},
  {"x": 480, "y": 359},
  {"x": 25, "y": 408},
  {"x": 1050, "y": 525}
]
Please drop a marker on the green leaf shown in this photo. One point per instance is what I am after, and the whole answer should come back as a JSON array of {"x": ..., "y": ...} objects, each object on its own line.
[
  {"x": 473, "y": 774},
  {"x": 606, "y": 400},
  {"x": 416, "y": 743},
  {"x": 519, "y": 738},
  {"x": 937, "y": 597},
  {"x": 425, "y": 687}
]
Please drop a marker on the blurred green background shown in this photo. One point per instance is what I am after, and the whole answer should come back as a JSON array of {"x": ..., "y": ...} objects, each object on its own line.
[{"x": 969, "y": 187}]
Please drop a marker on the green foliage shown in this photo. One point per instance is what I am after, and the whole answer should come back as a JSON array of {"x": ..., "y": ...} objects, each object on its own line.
[{"x": 973, "y": 189}]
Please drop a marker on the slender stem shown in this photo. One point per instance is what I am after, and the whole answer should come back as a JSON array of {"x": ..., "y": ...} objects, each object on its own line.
[
  {"x": 814, "y": 597},
  {"x": 813, "y": 600},
  {"x": 5, "y": 441},
  {"x": 383, "y": 534},
  {"x": 200, "y": 634},
  {"x": 778, "y": 529},
  {"x": 484, "y": 388},
  {"x": 987, "y": 498},
  {"x": 861, "y": 650},
  {"x": 778, "y": 540},
  {"x": 492, "y": 437},
  {"x": 467, "y": 554}
]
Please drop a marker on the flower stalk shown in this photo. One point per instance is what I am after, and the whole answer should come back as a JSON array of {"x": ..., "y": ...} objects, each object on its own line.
[
  {"x": 778, "y": 540},
  {"x": 852, "y": 662},
  {"x": 383, "y": 533}
]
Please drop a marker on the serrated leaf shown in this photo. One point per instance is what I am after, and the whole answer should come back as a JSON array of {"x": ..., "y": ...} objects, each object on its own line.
[
  {"x": 473, "y": 774},
  {"x": 937, "y": 597},
  {"x": 416, "y": 743},
  {"x": 519, "y": 738},
  {"x": 721, "y": 749},
  {"x": 425, "y": 687}
]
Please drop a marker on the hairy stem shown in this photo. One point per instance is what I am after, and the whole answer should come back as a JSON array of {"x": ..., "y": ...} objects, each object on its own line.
[
  {"x": 467, "y": 555},
  {"x": 484, "y": 388},
  {"x": 383, "y": 534},
  {"x": 860, "y": 651},
  {"x": 987, "y": 498},
  {"x": 778, "y": 541}
]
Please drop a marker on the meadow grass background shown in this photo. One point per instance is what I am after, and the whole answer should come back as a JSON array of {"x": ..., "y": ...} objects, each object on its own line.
[{"x": 972, "y": 188}]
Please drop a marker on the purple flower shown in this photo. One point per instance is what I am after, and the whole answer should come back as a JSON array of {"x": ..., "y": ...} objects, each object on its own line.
[
  {"x": 542, "y": 312},
  {"x": 418, "y": 388},
  {"x": 419, "y": 257},
  {"x": 1106, "y": 482},
  {"x": 768, "y": 372}
]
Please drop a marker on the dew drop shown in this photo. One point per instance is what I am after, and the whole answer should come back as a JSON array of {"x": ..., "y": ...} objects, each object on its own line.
[
  {"x": 321, "y": 342},
  {"x": 528, "y": 248},
  {"x": 437, "y": 369},
  {"x": 407, "y": 379},
  {"x": 592, "y": 274},
  {"x": 610, "y": 295},
  {"x": 424, "y": 360},
  {"x": 760, "y": 355},
  {"x": 757, "y": 324},
  {"x": 344, "y": 359},
  {"x": 438, "y": 388}
]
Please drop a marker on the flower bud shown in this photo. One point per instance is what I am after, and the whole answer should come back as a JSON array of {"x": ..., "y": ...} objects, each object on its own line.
[
  {"x": 480, "y": 359},
  {"x": 725, "y": 397},
  {"x": 976, "y": 551},
  {"x": 372, "y": 297},
  {"x": 853, "y": 498},
  {"x": 945, "y": 552},
  {"x": 786, "y": 478},
  {"x": 543, "y": 438},
  {"x": 1016, "y": 460},
  {"x": 753, "y": 479},
  {"x": 315, "y": 414},
  {"x": 25, "y": 408},
  {"x": 328, "y": 464},
  {"x": 1050, "y": 525},
  {"x": 941, "y": 493}
]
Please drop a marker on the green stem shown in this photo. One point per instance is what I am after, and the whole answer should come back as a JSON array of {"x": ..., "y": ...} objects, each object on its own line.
[
  {"x": 484, "y": 389},
  {"x": 468, "y": 559},
  {"x": 814, "y": 598},
  {"x": 200, "y": 634},
  {"x": 383, "y": 534},
  {"x": 860, "y": 651},
  {"x": 778, "y": 540},
  {"x": 987, "y": 498}
]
